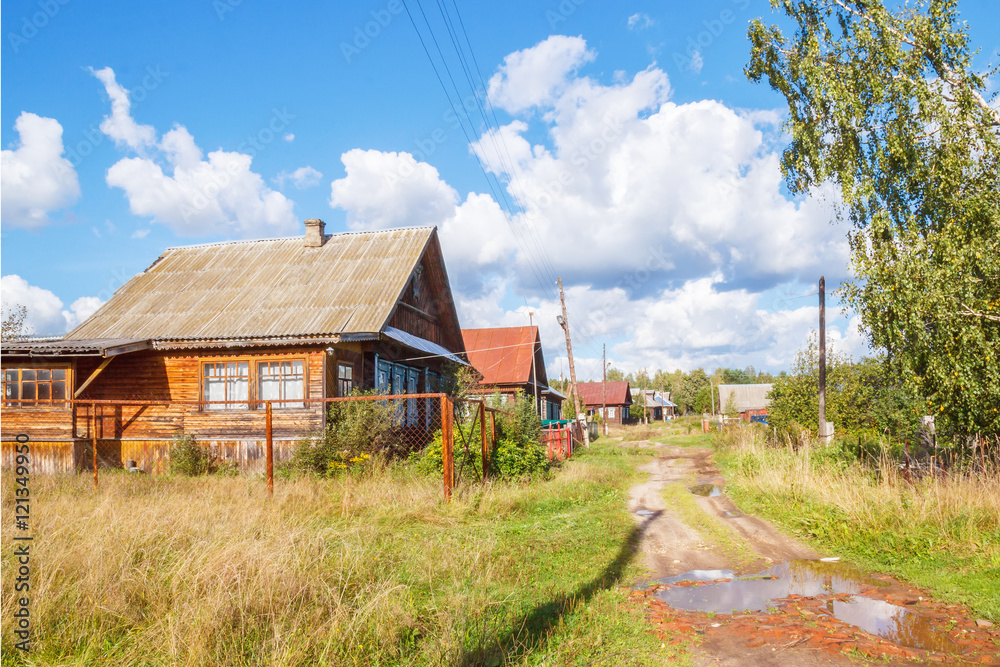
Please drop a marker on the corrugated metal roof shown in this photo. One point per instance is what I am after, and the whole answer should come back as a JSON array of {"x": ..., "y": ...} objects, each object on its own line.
[
  {"x": 267, "y": 288},
  {"x": 503, "y": 354},
  {"x": 421, "y": 344},
  {"x": 48, "y": 347},
  {"x": 592, "y": 393},
  {"x": 746, "y": 396}
]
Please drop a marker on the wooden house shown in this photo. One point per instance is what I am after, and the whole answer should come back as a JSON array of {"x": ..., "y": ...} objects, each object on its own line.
[
  {"x": 749, "y": 401},
  {"x": 208, "y": 333},
  {"x": 617, "y": 396},
  {"x": 510, "y": 360}
]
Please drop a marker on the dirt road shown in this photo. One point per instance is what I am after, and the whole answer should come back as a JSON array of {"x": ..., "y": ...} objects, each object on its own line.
[{"x": 795, "y": 629}]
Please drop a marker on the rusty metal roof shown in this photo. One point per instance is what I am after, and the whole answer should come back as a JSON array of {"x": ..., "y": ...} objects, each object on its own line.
[
  {"x": 263, "y": 289},
  {"x": 592, "y": 393},
  {"x": 503, "y": 354}
]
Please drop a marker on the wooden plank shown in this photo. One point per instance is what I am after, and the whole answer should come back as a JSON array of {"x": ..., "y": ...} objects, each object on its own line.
[{"x": 93, "y": 376}]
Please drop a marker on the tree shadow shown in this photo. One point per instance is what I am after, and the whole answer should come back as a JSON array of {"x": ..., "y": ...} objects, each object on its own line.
[{"x": 531, "y": 630}]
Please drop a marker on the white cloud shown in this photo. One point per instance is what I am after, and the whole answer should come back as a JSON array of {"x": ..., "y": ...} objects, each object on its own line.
[
  {"x": 141, "y": 233},
  {"x": 46, "y": 314},
  {"x": 178, "y": 186},
  {"x": 667, "y": 222},
  {"x": 34, "y": 177},
  {"x": 639, "y": 21},
  {"x": 532, "y": 77},
  {"x": 696, "y": 62},
  {"x": 289, "y": 137},
  {"x": 301, "y": 178},
  {"x": 120, "y": 125}
]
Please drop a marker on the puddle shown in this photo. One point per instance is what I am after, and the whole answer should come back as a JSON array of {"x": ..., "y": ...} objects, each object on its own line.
[
  {"x": 732, "y": 514},
  {"x": 644, "y": 512},
  {"x": 808, "y": 578},
  {"x": 892, "y": 622},
  {"x": 706, "y": 489}
]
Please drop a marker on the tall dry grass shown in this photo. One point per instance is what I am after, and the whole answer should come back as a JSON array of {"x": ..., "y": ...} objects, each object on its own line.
[
  {"x": 373, "y": 569},
  {"x": 942, "y": 530}
]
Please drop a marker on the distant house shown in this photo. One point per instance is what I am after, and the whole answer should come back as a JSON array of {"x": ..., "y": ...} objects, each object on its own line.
[
  {"x": 215, "y": 330},
  {"x": 510, "y": 360},
  {"x": 657, "y": 404},
  {"x": 616, "y": 395},
  {"x": 750, "y": 401}
]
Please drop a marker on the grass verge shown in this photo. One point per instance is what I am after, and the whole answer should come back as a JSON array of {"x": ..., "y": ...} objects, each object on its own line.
[
  {"x": 940, "y": 534},
  {"x": 366, "y": 570}
]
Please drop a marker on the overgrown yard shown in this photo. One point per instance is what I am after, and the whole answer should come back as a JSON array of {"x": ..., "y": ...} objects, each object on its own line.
[
  {"x": 941, "y": 533},
  {"x": 367, "y": 569}
]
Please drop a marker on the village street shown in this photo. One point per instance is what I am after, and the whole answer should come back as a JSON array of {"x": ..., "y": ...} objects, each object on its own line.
[{"x": 789, "y": 605}]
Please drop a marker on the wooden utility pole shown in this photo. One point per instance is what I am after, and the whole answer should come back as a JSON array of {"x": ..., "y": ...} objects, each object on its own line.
[
  {"x": 604, "y": 387},
  {"x": 645, "y": 414},
  {"x": 269, "y": 437},
  {"x": 564, "y": 322},
  {"x": 822, "y": 358}
]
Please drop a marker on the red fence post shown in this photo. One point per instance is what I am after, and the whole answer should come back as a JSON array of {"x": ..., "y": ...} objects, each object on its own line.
[
  {"x": 270, "y": 450},
  {"x": 93, "y": 439},
  {"x": 447, "y": 445},
  {"x": 482, "y": 434}
]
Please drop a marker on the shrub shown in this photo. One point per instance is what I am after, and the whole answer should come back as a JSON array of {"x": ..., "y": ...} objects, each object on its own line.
[
  {"x": 356, "y": 433},
  {"x": 188, "y": 458}
]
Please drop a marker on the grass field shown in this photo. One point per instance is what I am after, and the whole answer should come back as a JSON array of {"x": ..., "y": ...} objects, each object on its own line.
[
  {"x": 367, "y": 570},
  {"x": 941, "y": 534}
]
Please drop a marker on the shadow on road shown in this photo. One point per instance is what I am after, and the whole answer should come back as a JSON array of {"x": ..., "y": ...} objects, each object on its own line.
[{"x": 530, "y": 632}]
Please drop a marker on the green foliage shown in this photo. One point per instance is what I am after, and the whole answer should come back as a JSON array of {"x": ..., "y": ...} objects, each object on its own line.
[
  {"x": 356, "y": 433},
  {"x": 886, "y": 106},
  {"x": 859, "y": 396},
  {"x": 188, "y": 458},
  {"x": 703, "y": 400},
  {"x": 13, "y": 326},
  {"x": 730, "y": 408},
  {"x": 687, "y": 388}
]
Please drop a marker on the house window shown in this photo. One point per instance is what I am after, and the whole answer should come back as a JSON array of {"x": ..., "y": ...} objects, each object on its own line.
[
  {"x": 345, "y": 379},
  {"x": 34, "y": 386},
  {"x": 611, "y": 413},
  {"x": 282, "y": 381},
  {"x": 227, "y": 381}
]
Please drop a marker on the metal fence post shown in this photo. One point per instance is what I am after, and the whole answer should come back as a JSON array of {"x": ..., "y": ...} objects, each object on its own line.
[
  {"x": 93, "y": 439},
  {"x": 482, "y": 434},
  {"x": 270, "y": 450},
  {"x": 447, "y": 445}
]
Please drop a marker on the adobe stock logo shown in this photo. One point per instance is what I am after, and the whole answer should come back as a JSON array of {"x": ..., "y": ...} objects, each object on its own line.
[
  {"x": 696, "y": 44},
  {"x": 363, "y": 35}
]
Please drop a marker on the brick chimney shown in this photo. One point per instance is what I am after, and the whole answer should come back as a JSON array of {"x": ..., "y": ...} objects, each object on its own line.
[{"x": 314, "y": 233}]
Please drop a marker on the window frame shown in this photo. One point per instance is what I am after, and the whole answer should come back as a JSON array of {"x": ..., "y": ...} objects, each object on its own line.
[
  {"x": 282, "y": 403},
  {"x": 49, "y": 403},
  {"x": 253, "y": 401},
  {"x": 340, "y": 366}
]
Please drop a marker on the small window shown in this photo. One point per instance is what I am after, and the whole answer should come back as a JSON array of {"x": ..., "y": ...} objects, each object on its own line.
[
  {"x": 226, "y": 385},
  {"x": 611, "y": 413},
  {"x": 345, "y": 379},
  {"x": 282, "y": 382},
  {"x": 34, "y": 386}
]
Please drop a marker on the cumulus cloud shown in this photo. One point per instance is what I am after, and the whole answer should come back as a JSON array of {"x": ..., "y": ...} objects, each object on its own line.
[
  {"x": 533, "y": 76},
  {"x": 46, "y": 313},
  {"x": 301, "y": 178},
  {"x": 668, "y": 222},
  {"x": 34, "y": 177},
  {"x": 173, "y": 182}
]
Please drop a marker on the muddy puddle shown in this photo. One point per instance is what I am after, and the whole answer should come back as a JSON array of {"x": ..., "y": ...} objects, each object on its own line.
[
  {"x": 811, "y": 579},
  {"x": 706, "y": 489}
]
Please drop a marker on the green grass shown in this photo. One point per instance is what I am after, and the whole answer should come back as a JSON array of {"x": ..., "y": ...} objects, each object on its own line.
[
  {"x": 941, "y": 535},
  {"x": 366, "y": 570}
]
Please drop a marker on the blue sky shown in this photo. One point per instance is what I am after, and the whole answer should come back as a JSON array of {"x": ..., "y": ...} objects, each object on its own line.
[{"x": 636, "y": 160}]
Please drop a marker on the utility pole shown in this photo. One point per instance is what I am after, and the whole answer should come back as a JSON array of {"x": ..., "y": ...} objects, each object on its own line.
[
  {"x": 645, "y": 413},
  {"x": 534, "y": 374},
  {"x": 564, "y": 323},
  {"x": 604, "y": 387},
  {"x": 824, "y": 429}
]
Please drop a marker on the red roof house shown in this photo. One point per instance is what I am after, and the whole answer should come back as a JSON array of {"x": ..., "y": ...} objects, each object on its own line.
[
  {"x": 510, "y": 359},
  {"x": 618, "y": 399}
]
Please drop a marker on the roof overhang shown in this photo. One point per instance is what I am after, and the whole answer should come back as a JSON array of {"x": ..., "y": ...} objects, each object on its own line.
[
  {"x": 83, "y": 347},
  {"x": 421, "y": 345}
]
